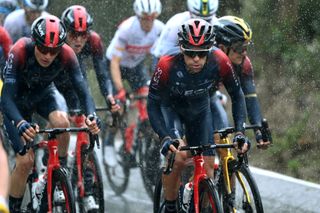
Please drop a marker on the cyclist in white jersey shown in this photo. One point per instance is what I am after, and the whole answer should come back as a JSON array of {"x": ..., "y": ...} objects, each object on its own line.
[
  {"x": 18, "y": 23},
  {"x": 127, "y": 51}
]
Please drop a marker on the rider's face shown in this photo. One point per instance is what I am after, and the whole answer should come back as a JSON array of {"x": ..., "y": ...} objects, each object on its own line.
[
  {"x": 146, "y": 22},
  {"x": 195, "y": 59},
  {"x": 45, "y": 56},
  {"x": 77, "y": 40},
  {"x": 237, "y": 52}
]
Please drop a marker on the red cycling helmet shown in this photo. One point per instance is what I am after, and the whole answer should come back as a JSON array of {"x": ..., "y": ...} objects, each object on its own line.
[
  {"x": 77, "y": 19},
  {"x": 196, "y": 33},
  {"x": 48, "y": 31}
]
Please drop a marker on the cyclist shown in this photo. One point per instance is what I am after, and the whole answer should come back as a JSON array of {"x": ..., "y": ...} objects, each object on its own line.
[
  {"x": 126, "y": 53},
  {"x": 18, "y": 23},
  {"x": 85, "y": 42},
  {"x": 181, "y": 83},
  {"x": 32, "y": 66},
  {"x": 167, "y": 44},
  {"x": 233, "y": 37}
]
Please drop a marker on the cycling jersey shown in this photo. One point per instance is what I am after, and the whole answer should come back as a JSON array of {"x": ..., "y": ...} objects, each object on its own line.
[
  {"x": 25, "y": 79},
  {"x": 245, "y": 73},
  {"x": 188, "y": 95},
  {"x": 5, "y": 43},
  {"x": 93, "y": 48},
  {"x": 17, "y": 26},
  {"x": 167, "y": 44},
  {"x": 131, "y": 43}
]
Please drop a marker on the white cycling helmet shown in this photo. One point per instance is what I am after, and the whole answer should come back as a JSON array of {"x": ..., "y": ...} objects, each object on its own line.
[
  {"x": 35, "y": 4},
  {"x": 203, "y": 8},
  {"x": 148, "y": 7}
]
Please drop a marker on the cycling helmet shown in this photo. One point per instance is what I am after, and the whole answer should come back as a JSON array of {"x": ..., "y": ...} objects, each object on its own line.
[
  {"x": 35, "y": 4},
  {"x": 148, "y": 7},
  {"x": 48, "y": 31},
  {"x": 77, "y": 19},
  {"x": 203, "y": 8},
  {"x": 196, "y": 32},
  {"x": 231, "y": 29},
  {"x": 7, "y": 6}
]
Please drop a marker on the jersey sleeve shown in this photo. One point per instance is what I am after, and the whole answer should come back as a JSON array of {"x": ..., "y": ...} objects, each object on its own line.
[
  {"x": 121, "y": 40},
  {"x": 5, "y": 41},
  {"x": 157, "y": 91},
  {"x": 249, "y": 90}
]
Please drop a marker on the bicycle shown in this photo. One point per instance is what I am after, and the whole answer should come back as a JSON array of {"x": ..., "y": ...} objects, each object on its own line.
[
  {"x": 85, "y": 160},
  {"x": 236, "y": 186},
  {"x": 204, "y": 196},
  {"x": 135, "y": 145},
  {"x": 56, "y": 178}
]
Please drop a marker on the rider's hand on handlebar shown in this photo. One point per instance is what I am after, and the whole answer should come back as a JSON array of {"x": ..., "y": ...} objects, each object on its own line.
[
  {"x": 27, "y": 131},
  {"x": 241, "y": 143},
  {"x": 94, "y": 123},
  {"x": 261, "y": 144},
  {"x": 169, "y": 145},
  {"x": 121, "y": 95},
  {"x": 114, "y": 107}
]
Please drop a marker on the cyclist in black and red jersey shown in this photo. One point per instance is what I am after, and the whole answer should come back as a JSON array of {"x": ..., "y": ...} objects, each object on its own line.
[
  {"x": 86, "y": 43},
  {"x": 181, "y": 85},
  {"x": 32, "y": 66},
  {"x": 233, "y": 36}
]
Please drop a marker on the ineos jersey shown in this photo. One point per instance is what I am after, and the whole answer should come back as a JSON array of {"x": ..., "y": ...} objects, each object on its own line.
[
  {"x": 93, "y": 48},
  {"x": 167, "y": 44},
  {"x": 246, "y": 75},
  {"x": 188, "y": 94},
  {"x": 131, "y": 43},
  {"x": 17, "y": 26},
  {"x": 5, "y": 41},
  {"x": 25, "y": 78}
]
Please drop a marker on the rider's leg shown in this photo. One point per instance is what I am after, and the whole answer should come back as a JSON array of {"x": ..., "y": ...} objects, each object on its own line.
[{"x": 4, "y": 180}]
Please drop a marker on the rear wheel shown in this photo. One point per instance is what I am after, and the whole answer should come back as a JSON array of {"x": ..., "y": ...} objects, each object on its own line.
[{"x": 208, "y": 198}]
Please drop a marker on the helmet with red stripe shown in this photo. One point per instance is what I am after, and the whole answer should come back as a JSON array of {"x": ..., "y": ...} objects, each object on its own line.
[
  {"x": 48, "y": 31},
  {"x": 77, "y": 19},
  {"x": 196, "y": 33}
]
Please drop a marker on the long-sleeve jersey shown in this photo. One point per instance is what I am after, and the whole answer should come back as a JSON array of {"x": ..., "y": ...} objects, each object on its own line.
[
  {"x": 25, "y": 78},
  {"x": 188, "y": 94}
]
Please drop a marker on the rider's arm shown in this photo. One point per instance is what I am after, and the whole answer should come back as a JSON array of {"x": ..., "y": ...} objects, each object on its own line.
[
  {"x": 79, "y": 83},
  {"x": 116, "y": 72},
  {"x": 249, "y": 90},
  {"x": 232, "y": 85},
  {"x": 157, "y": 91},
  {"x": 10, "y": 86},
  {"x": 99, "y": 63},
  {"x": 5, "y": 41}
]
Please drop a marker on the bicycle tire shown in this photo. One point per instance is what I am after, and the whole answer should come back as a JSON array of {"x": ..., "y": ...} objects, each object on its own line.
[
  {"x": 92, "y": 164},
  {"x": 208, "y": 198},
  {"x": 238, "y": 199},
  {"x": 149, "y": 156},
  {"x": 118, "y": 176},
  {"x": 158, "y": 199},
  {"x": 60, "y": 180}
]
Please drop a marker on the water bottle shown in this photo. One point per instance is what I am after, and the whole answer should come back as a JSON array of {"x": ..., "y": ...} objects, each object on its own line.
[
  {"x": 187, "y": 193},
  {"x": 37, "y": 191}
]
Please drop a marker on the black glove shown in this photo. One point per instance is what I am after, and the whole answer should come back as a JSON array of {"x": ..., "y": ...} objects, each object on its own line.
[
  {"x": 92, "y": 117},
  {"x": 23, "y": 126},
  {"x": 166, "y": 142},
  {"x": 239, "y": 140}
]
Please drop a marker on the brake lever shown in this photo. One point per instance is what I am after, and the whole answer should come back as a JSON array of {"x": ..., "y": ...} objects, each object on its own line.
[{"x": 170, "y": 163}]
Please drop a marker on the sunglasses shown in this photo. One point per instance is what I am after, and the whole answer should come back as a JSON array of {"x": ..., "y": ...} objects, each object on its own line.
[
  {"x": 193, "y": 53},
  {"x": 75, "y": 35},
  {"x": 240, "y": 48},
  {"x": 51, "y": 50}
]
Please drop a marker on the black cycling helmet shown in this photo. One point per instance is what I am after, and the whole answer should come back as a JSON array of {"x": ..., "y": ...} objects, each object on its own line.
[
  {"x": 77, "y": 19},
  {"x": 196, "y": 33},
  {"x": 35, "y": 4},
  {"x": 48, "y": 31},
  {"x": 231, "y": 29},
  {"x": 7, "y": 6}
]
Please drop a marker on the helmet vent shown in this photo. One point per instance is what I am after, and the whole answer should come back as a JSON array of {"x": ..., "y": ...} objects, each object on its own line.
[{"x": 51, "y": 37}]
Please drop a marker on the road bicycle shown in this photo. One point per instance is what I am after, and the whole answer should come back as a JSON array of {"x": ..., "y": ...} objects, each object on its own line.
[
  {"x": 237, "y": 188},
  {"x": 135, "y": 145},
  {"x": 204, "y": 196},
  {"x": 84, "y": 163},
  {"x": 56, "y": 178}
]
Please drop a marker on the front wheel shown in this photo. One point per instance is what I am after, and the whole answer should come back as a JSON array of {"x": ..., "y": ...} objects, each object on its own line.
[{"x": 208, "y": 199}]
